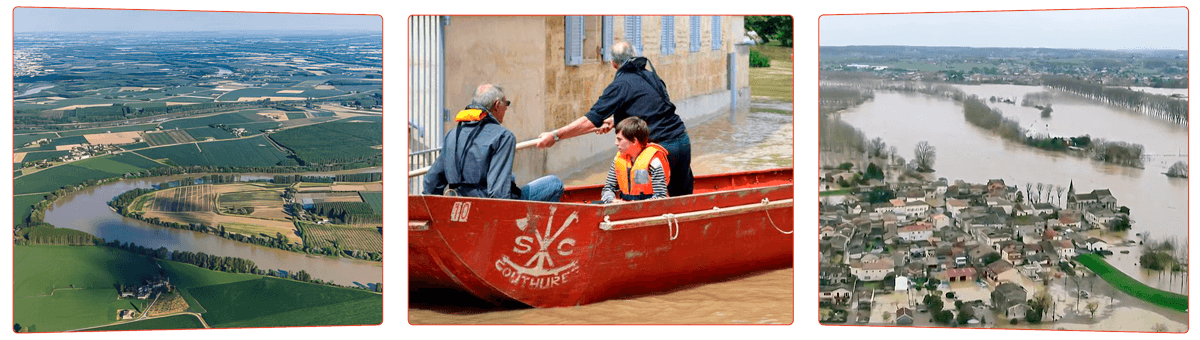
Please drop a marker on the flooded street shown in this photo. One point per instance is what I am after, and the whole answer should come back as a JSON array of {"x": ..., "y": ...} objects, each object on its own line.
[{"x": 759, "y": 139}]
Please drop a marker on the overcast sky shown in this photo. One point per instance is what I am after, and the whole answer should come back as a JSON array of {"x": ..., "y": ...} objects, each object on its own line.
[
  {"x": 1111, "y": 29},
  {"x": 91, "y": 20}
]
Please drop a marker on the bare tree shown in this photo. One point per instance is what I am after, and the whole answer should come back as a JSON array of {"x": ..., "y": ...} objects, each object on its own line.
[
  {"x": 1058, "y": 191},
  {"x": 1029, "y": 192},
  {"x": 924, "y": 155},
  {"x": 1092, "y": 306},
  {"x": 876, "y": 147},
  {"x": 1040, "y": 186}
]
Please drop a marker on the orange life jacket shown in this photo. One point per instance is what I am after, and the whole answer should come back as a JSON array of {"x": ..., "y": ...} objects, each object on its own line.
[{"x": 634, "y": 181}]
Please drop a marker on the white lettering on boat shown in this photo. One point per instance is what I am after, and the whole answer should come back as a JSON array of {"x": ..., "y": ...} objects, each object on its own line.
[
  {"x": 539, "y": 271},
  {"x": 460, "y": 212}
]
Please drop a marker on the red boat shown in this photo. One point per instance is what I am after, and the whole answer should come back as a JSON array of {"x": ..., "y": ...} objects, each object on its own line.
[{"x": 574, "y": 252}]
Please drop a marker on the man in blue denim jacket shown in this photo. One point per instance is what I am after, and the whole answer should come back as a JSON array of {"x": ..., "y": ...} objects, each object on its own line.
[{"x": 477, "y": 158}]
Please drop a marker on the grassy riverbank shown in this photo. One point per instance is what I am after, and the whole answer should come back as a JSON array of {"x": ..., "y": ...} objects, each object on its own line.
[
  {"x": 1131, "y": 286},
  {"x": 774, "y": 82}
]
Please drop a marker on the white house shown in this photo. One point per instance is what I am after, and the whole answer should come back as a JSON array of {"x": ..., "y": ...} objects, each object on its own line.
[
  {"x": 939, "y": 221},
  {"x": 956, "y": 206},
  {"x": 1098, "y": 217},
  {"x": 874, "y": 270},
  {"x": 1095, "y": 244},
  {"x": 916, "y": 208},
  {"x": 915, "y": 232}
]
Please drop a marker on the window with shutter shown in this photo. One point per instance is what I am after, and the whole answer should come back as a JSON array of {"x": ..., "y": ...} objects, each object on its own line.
[
  {"x": 633, "y": 32},
  {"x": 695, "y": 46},
  {"x": 608, "y": 36},
  {"x": 716, "y": 32},
  {"x": 574, "y": 40},
  {"x": 668, "y": 35}
]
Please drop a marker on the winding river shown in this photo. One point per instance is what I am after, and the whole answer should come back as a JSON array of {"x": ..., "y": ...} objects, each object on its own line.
[{"x": 87, "y": 210}]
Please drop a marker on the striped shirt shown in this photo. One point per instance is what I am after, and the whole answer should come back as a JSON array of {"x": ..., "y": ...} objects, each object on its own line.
[{"x": 657, "y": 180}]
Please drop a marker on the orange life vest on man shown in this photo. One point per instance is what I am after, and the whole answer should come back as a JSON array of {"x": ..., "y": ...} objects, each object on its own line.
[{"x": 634, "y": 180}]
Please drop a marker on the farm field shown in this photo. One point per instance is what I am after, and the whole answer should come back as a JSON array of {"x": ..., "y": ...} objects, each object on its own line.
[
  {"x": 1132, "y": 286},
  {"x": 114, "y": 137},
  {"x": 71, "y": 140},
  {"x": 159, "y": 138},
  {"x": 80, "y": 171},
  {"x": 366, "y": 239},
  {"x": 143, "y": 127},
  {"x": 254, "y": 128},
  {"x": 243, "y": 116},
  {"x": 19, "y": 140},
  {"x": 204, "y": 133},
  {"x": 375, "y": 199},
  {"x": 23, "y": 206},
  {"x": 40, "y": 155},
  {"x": 296, "y": 115},
  {"x": 333, "y": 142},
  {"x": 135, "y": 146},
  {"x": 182, "y": 199},
  {"x": 39, "y": 270},
  {"x": 185, "y": 321},
  {"x": 236, "y": 95},
  {"x": 238, "y": 152},
  {"x": 271, "y": 302}
]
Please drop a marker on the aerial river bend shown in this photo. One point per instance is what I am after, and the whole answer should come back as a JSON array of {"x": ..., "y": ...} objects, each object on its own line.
[{"x": 87, "y": 210}]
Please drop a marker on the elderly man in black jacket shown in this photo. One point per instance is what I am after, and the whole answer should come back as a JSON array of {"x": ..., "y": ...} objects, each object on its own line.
[
  {"x": 636, "y": 91},
  {"x": 477, "y": 158}
]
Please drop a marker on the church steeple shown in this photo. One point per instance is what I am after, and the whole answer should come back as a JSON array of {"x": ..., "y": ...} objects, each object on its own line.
[{"x": 1071, "y": 192}]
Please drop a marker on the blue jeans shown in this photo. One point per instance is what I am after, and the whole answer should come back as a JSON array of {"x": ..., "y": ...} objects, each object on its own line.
[
  {"x": 545, "y": 189},
  {"x": 679, "y": 154}
]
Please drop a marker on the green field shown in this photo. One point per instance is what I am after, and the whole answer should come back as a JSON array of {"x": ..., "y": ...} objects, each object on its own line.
[
  {"x": 1131, "y": 286},
  {"x": 774, "y": 82},
  {"x": 80, "y": 171},
  {"x": 93, "y": 271},
  {"x": 333, "y": 142},
  {"x": 170, "y": 322},
  {"x": 238, "y": 152},
  {"x": 159, "y": 138},
  {"x": 66, "y": 140},
  {"x": 226, "y": 300},
  {"x": 272, "y": 302},
  {"x": 254, "y": 128},
  {"x": 374, "y": 198},
  {"x": 348, "y": 238},
  {"x": 125, "y": 128},
  {"x": 244, "y": 116},
  {"x": 296, "y": 115},
  {"x": 23, "y": 206},
  {"x": 40, "y": 155},
  {"x": 203, "y": 133},
  {"x": 244, "y": 197},
  {"x": 274, "y": 92},
  {"x": 135, "y": 146},
  {"x": 19, "y": 140}
]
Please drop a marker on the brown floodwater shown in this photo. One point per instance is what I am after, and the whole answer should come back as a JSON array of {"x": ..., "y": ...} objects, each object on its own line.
[{"x": 749, "y": 141}]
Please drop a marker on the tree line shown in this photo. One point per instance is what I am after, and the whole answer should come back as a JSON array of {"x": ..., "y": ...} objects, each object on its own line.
[
  {"x": 363, "y": 177},
  {"x": 1173, "y": 110}
]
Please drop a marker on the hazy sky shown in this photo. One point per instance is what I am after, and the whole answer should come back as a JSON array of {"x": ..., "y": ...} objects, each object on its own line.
[
  {"x": 76, "y": 20},
  {"x": 1153, "y": 28}
]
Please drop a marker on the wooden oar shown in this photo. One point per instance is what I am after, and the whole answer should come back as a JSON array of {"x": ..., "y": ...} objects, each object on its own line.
[{"x": 522, "y": 145}]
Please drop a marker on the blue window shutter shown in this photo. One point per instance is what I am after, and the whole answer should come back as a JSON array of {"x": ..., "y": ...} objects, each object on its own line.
[
  {"x": 716, "y": 32},
  {"x": 633, "y": 32},
  {"x": 695, "y": 46},
  {"x": 608, "y": 37},
  {"x": 574, "y": 40}
]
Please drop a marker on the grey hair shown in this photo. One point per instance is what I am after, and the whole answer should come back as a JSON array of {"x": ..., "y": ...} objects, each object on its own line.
[
  {"x": 622, "y": 52},
  {"x": 487, "y": 95}
]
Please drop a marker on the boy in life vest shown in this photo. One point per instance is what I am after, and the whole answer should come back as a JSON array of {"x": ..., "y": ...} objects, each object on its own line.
[{"x": 640, "y": 170}]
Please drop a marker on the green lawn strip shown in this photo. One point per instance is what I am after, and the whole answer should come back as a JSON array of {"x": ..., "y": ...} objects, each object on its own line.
[
  {"x": 39, "y": 269},
  {"x": 185, "y": 321},
  {"x": 279, "y": 302},
  {"x": 23, "y": 206},
  {"x": 135, "y": 146},
  {"x": 1131, "y": 286},
  {"x": 70, "y": 309},
  {"x": 125, "y": 128},
  {"x": 835, "y": 192}
]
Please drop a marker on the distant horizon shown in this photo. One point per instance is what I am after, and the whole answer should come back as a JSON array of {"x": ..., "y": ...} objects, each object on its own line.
[
  {"x": 68, "y": 20},
  {"x": 1094, "y": 29}
]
